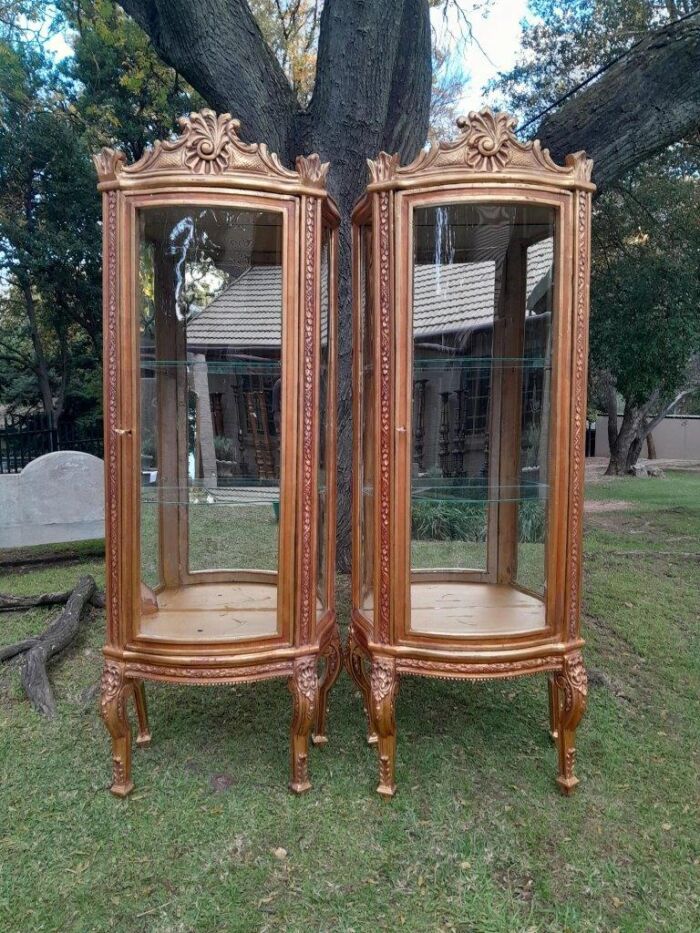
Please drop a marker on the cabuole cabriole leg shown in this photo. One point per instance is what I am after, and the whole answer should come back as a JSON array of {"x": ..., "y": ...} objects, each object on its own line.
[
  {"x": 383, "y": 685},
  {"x": 553, "y": 707},
  {"x": 572, "y": 684},
  {"x": 354, "y": 663},
  {"x": 114, "y": 690},
  {"x": 143, "y": 737},
  {"x": 303, "y": 685},
  {"x": 333, "y": 658}
]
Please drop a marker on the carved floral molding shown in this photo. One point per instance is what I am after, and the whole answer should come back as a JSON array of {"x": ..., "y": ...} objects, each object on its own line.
[
  {"x": 209, "y": 145},
  {"x": 486, "y": 143}
]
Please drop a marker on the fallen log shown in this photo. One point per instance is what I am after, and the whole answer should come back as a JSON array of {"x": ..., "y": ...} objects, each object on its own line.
[
  {"x": 10, "y": 603},
  {"x": 55, "y": 639}
]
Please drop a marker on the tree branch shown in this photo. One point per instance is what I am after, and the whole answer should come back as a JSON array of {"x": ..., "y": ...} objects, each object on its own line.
[
  {"x": 643, "y": 103},
  {"x": 217, "y": 46},
  {"x": 648, "y": 428}
]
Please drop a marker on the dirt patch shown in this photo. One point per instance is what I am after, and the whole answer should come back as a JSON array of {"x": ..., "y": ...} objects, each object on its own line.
[{"x": 606, "y": 505}]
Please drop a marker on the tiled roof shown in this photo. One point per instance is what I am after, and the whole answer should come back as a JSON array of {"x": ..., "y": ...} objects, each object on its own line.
[
  {"x": 445, "y": 298},
  {"x": 247, "y": 313},
  {"x": 451, "y": 297},
  {"x": 539, "y": 270}
]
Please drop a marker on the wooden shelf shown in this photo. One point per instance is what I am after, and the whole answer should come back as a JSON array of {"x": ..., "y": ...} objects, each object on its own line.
[
  {"x": 471, "y": 609},
  {"x": 213, "y": 612}
]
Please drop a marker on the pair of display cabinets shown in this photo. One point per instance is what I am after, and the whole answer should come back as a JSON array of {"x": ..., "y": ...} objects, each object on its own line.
[{"x": 470, "y": 282}]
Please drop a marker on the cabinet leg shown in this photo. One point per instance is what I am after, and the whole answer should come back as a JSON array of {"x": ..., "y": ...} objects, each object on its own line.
[
  {"x": 354, "y": 663},
  {"x": 572, "y": 685},
  {"x": 383, "y": 685},
  {"x": 553, "y": 707},
  {"x": 303, "y": 685},
  {"x": 114, "y": 689},
  {"x": 333, "y": 658},
  {"x": 143, "y": 737}
]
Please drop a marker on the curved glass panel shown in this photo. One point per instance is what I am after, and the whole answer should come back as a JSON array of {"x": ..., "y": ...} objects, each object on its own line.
[
  {"x": 482, "y": 317},
  {"x": 324, "y": 422},
  {"x": 367, "y": 389},
  {"x": 210, "y": 326}
]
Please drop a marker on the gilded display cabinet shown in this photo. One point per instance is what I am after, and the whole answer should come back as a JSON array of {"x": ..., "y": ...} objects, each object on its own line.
[
  {"x": 219, "y": 367},
  {"x": 471, "y": 272}
]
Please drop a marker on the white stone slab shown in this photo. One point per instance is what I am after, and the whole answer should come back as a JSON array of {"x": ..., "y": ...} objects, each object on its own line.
[{"x": 57, "y": 497}]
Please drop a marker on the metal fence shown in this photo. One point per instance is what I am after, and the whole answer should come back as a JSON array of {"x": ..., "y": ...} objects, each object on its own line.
[{"x": 21, "y": 442}]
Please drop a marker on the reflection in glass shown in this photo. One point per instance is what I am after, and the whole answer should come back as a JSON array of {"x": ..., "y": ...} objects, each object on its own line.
[
  {"x": 211, "y": 331},
  {"x": 367, "y": 421},
  {"x": 324, "y": 392},
  {"x": 482, "y": 311}
]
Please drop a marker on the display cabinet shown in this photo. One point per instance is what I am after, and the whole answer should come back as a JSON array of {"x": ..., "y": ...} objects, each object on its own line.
[
  {"x": 219, "y": 393},
  {"x": 471, "y": 270}
]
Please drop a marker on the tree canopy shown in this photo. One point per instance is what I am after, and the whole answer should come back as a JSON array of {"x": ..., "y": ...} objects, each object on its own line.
[{"x": 645, "y": 326}]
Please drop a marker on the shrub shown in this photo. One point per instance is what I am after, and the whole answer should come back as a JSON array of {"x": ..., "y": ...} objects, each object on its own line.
[{"x": 445, "y": 520}]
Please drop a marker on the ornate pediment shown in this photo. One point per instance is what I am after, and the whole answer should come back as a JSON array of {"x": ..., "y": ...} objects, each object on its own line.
[
  {"x": 487, "y": 144},
  {"x": 209, "y": 146}
]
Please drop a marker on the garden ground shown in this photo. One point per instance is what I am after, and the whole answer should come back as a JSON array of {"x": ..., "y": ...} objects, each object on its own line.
[{"x": 477, "y": 839}]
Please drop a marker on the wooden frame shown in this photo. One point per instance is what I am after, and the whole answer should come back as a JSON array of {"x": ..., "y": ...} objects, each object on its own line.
[
  {"x": 485, "y": 165},
  {"x": 208, "y": 165}
]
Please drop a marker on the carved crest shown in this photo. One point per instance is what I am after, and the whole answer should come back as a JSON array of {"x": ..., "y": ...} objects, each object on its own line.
[
  {"x": 490, "y": 140},
  {"x": 486, "y": 144},
  {"x": 208, "y": 140},
  {"x": 209, "y": 145}
]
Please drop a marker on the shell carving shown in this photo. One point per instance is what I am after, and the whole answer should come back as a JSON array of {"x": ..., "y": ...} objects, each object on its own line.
[
  {"x": 208, "y": 141},
  {"x": 490, "y": 139}
]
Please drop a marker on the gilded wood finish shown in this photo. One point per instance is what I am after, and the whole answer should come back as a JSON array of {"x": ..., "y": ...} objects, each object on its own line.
[
  {"x": 485, "y": 164},
  {"x": 208, "y": 164}
]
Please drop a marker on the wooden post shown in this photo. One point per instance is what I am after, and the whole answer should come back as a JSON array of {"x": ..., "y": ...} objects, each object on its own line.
[
  {"x": 171, "y": 426},
  {"x": 511, "y": 380},
  {"x": 205, "y": 427}
]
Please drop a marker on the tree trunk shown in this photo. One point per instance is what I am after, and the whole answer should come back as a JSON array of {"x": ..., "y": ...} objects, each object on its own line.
[
  {"x": 651, "y": 446},
  {"x": 637, "y": 425},
  {"x": 612, "y": 414},
  {"x": 372, "y": 92},
  {"x": 40, "y": 361},
  {"x": 360, "y": 107},
  {"x": 627, "y": 444}
]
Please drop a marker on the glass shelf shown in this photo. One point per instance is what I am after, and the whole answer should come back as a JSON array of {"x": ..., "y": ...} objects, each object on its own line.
[
  {"x": 216, "y": 366},
  {"x": 477, "y": 493},
  {"x": 480, "y": 363}
]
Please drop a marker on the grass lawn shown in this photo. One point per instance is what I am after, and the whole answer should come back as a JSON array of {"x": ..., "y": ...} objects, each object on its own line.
[{"x": 477, "y": 839}]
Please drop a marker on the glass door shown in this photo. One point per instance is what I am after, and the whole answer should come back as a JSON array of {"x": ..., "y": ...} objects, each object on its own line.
[
  {"x": 482, "y": 285},
  {"x": 210, "y": 323}
]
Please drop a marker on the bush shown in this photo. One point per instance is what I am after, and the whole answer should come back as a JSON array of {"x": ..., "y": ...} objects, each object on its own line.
[{"x": 443, "y": 520}]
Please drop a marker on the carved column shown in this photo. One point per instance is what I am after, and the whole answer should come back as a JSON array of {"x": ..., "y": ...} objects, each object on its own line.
[
  {"x": 332, "y": 653},
  {"x": 384, "y": 685},
  {"x": 572, "y": 683},
  {"x": 354, "y": 663},
  {"x": 114, "y": 691},
  {"x": 303, "y": 685}
]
